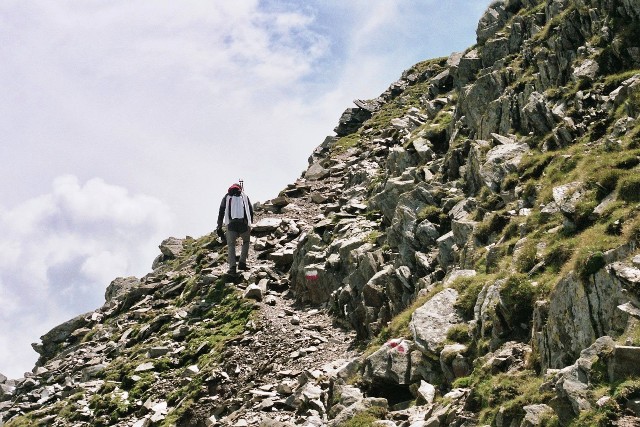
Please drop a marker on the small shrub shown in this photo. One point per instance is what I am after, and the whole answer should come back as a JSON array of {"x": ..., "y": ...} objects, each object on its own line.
[
  {"x": 604, "y": 182},
  {"x": 463, "y": 382},
  {"x": 628, "y": 162},
  {"x": 431, "y": 213},
  {"x": 459, "y": 333},
  {"x": 530, "y": 191},
  {"x": 634, "y": 230},
  {"x": 510, "y": 182},
  {"x": 468, "y": 290},
  {"x": 534, "y": 165},
  {"x": 557, "y": 255},
  {"x": 366, "y": 418},
  {"x": 629, "y": 189},
  {"x": 519, "y": 294},
  {"x": 526, "y": 259},
  {"x": 583, "y": 215},
  {"x": 489, "y": 200},
  {"x": 492, "y": 224},
  {"x": 511, "y": 230},
  {"x": 373, "y": 237},
  {"x": 588, "y": 263}
]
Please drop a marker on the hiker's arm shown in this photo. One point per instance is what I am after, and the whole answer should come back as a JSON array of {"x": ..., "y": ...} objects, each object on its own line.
[{"x": 221, "y": 211}]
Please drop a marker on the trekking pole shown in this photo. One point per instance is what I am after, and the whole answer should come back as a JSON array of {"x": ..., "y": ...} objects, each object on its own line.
[{"x": 241, "y": 184}]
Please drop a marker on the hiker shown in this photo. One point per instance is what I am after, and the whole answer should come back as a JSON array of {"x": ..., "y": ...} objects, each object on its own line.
[{"x": 236, "y": 213}]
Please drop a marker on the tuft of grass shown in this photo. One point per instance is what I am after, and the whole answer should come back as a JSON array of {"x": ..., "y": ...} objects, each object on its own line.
[
  {"x": 459, "y": 333},
  {"x": 519, "y": 294},
  {"x": 526, "y": 259},
  {"x": 366, "y": 418},
  {"x": 505, "y": 392},
  {"x": 629, "y": 189},
  {"x": 558, "y": 254},
  {"x": 468, "y": 290},
  {"x": 346, "y": 142},
  {"x": 589, "y": 262}
]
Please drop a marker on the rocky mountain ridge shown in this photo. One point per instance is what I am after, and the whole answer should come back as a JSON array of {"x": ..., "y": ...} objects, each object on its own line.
[{"x": 463, "y": 252}]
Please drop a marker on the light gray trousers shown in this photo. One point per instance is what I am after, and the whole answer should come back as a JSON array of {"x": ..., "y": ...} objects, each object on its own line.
[{"x": 232, "y": 236}]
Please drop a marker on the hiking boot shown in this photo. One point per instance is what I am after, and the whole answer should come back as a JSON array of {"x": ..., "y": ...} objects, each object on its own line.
[
  {"x": 232, "y": 271},
  {"x": 242, "y": 266}
]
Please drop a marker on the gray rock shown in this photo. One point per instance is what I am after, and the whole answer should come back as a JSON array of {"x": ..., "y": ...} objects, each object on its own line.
[
  {"x": 624, "y": 363},
  {"x": 60, "y": 334},
  {"x": 426, "y": 393},
  {"x": 446, "y": 251},
  {"x": 536, "y": 415},
  {"x": 155, "y": 352},
  {"x": 426, "y": 233},
  {"x": 316, "y": 172},
  {"x": 253, "y": 291},
  {"x": 6, "y": 391},
  {"x": 577, "y": 313},
  {"x": 567, "y": 196},
  {"x": 463, "y": 231},
  {"x": 91, "y": 372},
  {"x": 399, "y": 160},
  {"x": 147, "y": 366},
  {"x": 267, "y": 225},
  {"x": 457, "y": 274},
  {"x": 588, "y": 69},
  {"x": 453, "y": 362},
  {"x": 171, "y": 247},
  {"x": 348, "y": 394},
  {"x": 431, "y": 322},
  {"x": 572, "y": 383},
  {"x": 501, "y": 161},
  {"x": 493, "y": 19},
  {"x": 391, "y": 363},
  {"x": 119, "y": 287},
  {"x": 537, "y": 116},
  {"x": 468, "y": 66}
]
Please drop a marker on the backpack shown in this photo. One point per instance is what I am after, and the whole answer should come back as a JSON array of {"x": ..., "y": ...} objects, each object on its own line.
[{"x": 239, "y": 225}]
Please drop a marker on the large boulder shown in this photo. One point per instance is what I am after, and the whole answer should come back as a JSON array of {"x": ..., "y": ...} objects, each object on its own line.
[
  {"x": 53, "y": 340},
  {"x": 396, "y": 362},
  {"x": 579, "y": 311},
  {"x": 431, "y": 322},
  {"x": 572, "y": 383},
  {"x": 536, "y": 114},
  {"x": 501, "y": 161},
  {"x": 119, "y": 287},
  {"x": 351, "y": 120},
  {"x": 171, "y": 247}
]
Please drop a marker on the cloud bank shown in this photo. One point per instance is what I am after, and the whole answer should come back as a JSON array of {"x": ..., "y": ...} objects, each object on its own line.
[{"x": 60, "y": 250}]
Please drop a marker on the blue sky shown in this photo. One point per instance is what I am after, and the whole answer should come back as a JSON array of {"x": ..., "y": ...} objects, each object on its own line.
[{"x": 123, "y": 122}]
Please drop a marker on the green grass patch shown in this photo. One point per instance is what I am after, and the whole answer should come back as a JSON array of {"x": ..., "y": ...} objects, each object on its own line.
[
  {"x": 506, "y": 392},
  {"x": 366, "y": 418},
  {"x": 468, "y": 290},
  {"x": 629, "y": 188}
]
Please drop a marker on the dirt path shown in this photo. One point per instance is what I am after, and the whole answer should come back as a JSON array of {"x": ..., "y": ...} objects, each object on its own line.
[{"x": 288, "y": 343}]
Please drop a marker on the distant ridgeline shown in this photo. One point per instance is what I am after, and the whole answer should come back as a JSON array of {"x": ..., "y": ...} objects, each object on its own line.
[{"x": 465, "y": 251}]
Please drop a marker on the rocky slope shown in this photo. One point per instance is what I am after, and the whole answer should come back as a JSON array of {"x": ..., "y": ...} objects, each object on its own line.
[{"x": 464, "y": 252}]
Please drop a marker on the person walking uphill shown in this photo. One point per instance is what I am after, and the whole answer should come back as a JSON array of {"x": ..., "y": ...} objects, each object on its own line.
[{"x": 236, "y": 213}]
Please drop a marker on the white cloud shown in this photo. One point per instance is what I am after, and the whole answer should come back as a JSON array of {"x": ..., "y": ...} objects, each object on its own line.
[{"x": 60, "y": 251}]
